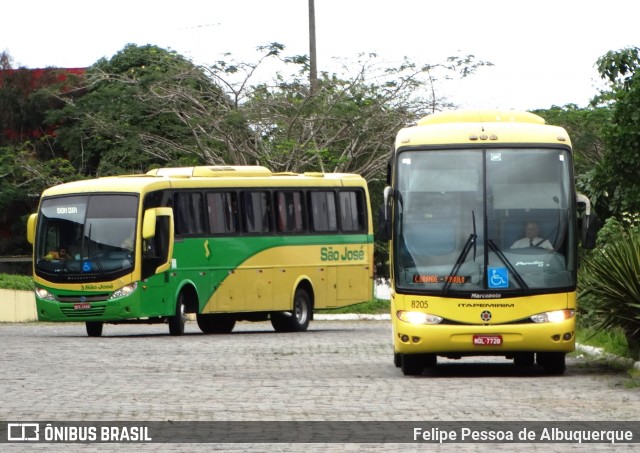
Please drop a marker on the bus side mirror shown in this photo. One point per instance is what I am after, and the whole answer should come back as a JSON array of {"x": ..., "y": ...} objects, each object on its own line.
[
  {"x": 389, "y": 170},
  {"x": 157, "y": 235},
  {"x": 588, "y": 224},
  {"x": 31, "y": 228},
  {"x": 384, "y": 216},
  {"x": 149, "y": 224}
]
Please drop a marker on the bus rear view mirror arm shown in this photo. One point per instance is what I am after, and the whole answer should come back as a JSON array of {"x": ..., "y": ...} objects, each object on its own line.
[
  {"x": 589, "y": 223},
  {"x": 383, "y": 232},
  {"x": 389, "y": 193}
]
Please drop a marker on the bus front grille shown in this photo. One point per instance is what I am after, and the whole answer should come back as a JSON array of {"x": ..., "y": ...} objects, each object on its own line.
[
  {"x": 71, "y": 312},
  {"x": 80, "y": 299}
]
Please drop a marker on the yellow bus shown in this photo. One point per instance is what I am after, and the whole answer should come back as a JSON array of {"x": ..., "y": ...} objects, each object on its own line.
[
  {"x": 224, "y": 243},
  {"x": 481, "y": 215}
]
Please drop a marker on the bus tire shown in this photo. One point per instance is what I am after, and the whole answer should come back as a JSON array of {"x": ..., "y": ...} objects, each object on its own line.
[
  {"x": 176, "y": 322},
  {"x": 397, "y": 359},
  {"x": 430, "y": 360},
  {"x": 412, "y": 364},
  {"x": 94, "y": 328},
  {"x": 298, "y": 319},
  {"x": 213, "y": 323},
  {"x": 524, "y": 359},
  {"x": 553, "y": 363}
]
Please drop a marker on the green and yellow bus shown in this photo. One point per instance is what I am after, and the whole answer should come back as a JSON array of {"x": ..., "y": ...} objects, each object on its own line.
[
  {"x": 224, "y": 243},
  {"x": 482, "y": 219}
]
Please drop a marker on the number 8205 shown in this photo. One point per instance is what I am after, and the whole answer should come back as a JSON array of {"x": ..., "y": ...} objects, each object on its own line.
[{"x": 419, "y": 304}]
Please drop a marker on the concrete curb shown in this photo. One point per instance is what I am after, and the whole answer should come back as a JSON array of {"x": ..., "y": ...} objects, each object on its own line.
[
  {"x": 351, "y": 317},
  {"x": 599, "y": 352}
]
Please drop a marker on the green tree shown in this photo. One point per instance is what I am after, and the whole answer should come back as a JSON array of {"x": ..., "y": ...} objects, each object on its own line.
[
  {"x": 147, "y": 107},
  {"x": 347, "y": 124},
  {"x": 615, "y": 182},
  {"x": 585, "y": 126},
  {"x": 29, "y": 161},
  {"x": 136, "y": 110},
  {"x": 24, "y": 176},
  {"x": 608, "y": 278}
]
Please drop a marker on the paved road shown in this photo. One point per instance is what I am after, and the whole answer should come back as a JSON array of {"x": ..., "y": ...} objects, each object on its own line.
[{"x": 338, "y": 370}]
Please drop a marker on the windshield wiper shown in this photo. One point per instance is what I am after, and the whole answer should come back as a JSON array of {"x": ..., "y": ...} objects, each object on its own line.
[
  {"x": 507, "y": 263},
  {"x": 471, "y": 242}
]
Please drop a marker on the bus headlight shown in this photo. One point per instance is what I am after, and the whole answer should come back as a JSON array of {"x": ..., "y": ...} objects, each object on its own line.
[
  {"x": 124, "y": 291},
  {"x": 417, "y": 317},
  {"x": 44, "y": 294},
  {"x": 554, "y": 316}
]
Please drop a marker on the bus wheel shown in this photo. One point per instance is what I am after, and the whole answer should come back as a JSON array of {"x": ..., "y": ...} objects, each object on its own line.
[
  {"x": 298, "y": 319},
  {"x": 523, "y": 359},
  {"x": 94, "y": 329},
  {"x": 176, "y": 322},
  {"x": 215, "y": 323},
  {"x": 553, "y": 363},
  {"x": 430, "y": 360},
  {"x": 412, "y": 364},
  {"x": 397, "y": 359}
]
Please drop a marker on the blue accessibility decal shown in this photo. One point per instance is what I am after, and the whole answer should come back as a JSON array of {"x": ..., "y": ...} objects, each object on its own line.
[{"x": 498, "y": 277}]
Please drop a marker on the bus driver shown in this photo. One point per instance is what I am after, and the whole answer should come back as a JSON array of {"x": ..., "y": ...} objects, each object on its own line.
[{"x": 531, "y": 239}]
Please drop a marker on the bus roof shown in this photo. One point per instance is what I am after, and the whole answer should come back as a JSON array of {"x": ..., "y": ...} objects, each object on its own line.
[
  {"x": 204, "y": 177},
  {"x": 213, "y": 171},
  {"x": 481, "y": 126},
  {"x": 481, "y": 116}
]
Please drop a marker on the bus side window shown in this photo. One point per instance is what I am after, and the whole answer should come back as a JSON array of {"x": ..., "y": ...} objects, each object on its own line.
[
  {"x": 289, "y": 212},
  {"x": 323, "y": 211},
  {"x": 351, "y": 211},
  {"x": 188, "y": 210},
  {"x": 222, "y": 208},
  {"x": 257, "y": 212}
]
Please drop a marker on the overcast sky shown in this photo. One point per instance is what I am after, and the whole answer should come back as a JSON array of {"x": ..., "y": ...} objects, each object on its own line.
[{"x": 544, "y": 51}]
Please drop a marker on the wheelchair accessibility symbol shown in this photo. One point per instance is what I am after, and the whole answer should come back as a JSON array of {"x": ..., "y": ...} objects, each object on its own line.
[
  {"x": 498, "y": 277},
  {"x": 86, "y": 266}
]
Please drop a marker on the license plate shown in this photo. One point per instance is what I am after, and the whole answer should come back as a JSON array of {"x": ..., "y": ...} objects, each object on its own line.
[
  {"x": 487, "y": 340},
  {"x": 84, "y": 306}
]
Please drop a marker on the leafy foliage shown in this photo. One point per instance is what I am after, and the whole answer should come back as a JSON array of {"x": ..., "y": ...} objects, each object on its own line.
[
  {"x": 148, "y": 107},
  {"x": 615, "y": 230},
  {"x": 584, "y": 126},
  {"x": 24, "y": 177},
  {"x": 29, "y": 160},
  {"x": 349, "y": 121},
  {"x": 619, "y": 67},
  {"x": 610, "y": 288},
  {"x": 615, "y": 181},
  {"x": 133, "y": 113}
]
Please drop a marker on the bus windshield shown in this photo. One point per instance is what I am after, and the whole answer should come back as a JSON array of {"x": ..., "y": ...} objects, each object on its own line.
[
  {"x": 86, "y": 237},
  {"x": 484, "y": 220}
]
